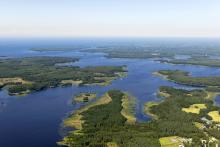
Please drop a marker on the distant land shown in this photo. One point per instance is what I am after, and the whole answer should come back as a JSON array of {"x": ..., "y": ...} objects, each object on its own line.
[
  {"x": 55, "y": 49},
  {"x": 167, "y": 55}
]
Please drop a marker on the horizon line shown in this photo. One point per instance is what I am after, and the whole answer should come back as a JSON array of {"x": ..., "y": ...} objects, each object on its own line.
[{"x": 107, "y": 37}]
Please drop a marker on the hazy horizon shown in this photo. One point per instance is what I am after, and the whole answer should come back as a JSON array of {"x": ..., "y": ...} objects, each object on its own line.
[{"x": 98, "y": 18}]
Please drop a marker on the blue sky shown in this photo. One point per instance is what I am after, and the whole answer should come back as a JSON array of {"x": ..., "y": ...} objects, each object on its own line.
[{"x": 119, "y": 18}]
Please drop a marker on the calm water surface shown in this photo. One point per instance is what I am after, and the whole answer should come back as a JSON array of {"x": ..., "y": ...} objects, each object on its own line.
[{"x": 35, "y": 120}]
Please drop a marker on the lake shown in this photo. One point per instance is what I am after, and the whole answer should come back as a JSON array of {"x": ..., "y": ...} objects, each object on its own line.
[{"x": 35, "y": 120}]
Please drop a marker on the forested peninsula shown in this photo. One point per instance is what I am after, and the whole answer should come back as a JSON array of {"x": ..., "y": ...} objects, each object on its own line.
[{"x": 28, "y": 74}]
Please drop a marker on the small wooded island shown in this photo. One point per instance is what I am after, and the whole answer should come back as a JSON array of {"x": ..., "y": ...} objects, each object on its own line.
[
  {"x": 84, "y": 97},
  {"x": 24, "y": 75}
]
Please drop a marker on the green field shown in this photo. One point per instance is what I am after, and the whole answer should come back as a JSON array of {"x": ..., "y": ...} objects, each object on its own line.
[
  {"x": 172, "y": 141},
  {"x": 215, "y": 116},
  {"x": 195, "y": 108}
]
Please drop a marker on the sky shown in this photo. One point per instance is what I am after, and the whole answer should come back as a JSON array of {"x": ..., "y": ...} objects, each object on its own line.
[{"x": 110, "y": 18}]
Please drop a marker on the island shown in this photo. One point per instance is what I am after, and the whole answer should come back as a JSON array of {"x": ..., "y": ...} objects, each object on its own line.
[
  {"x": 28, "y": 74},
  {"x": 84, "y": 97},
  {"x": 57, "y": 49}
]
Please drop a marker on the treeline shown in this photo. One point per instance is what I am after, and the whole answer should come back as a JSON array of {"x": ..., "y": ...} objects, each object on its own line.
[
  {"x": 204, "y": 61},
  {"x": 183, "y": 77}
]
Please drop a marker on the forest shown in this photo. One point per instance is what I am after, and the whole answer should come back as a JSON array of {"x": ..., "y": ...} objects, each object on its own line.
[
  {"x": 195, "y": 60},
  {"x": 37, "y": 73},
  {"x": 104, "y": 125},
  {"x": 183, "y": 77}
]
